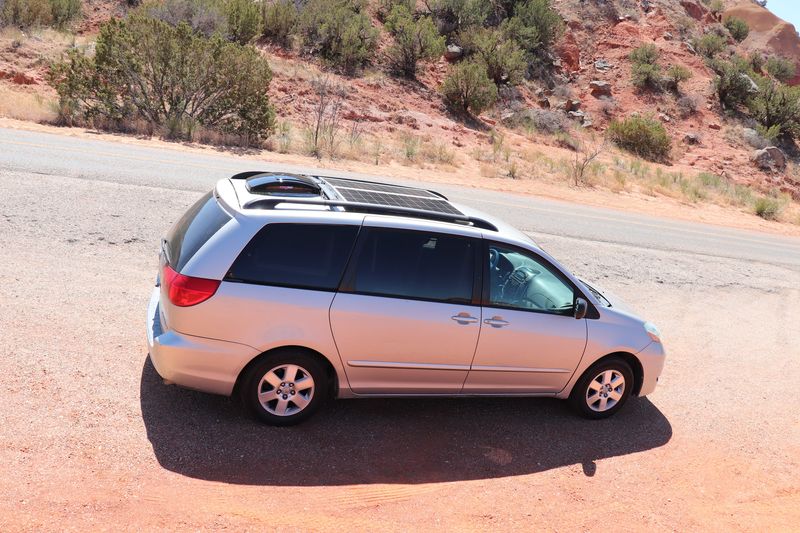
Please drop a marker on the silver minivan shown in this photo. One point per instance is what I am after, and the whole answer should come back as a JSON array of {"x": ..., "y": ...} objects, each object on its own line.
[{"x": 289, "y": 290}]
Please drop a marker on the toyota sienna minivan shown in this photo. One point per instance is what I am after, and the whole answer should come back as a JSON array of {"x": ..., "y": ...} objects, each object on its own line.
[{"x": 289, "y": 290}]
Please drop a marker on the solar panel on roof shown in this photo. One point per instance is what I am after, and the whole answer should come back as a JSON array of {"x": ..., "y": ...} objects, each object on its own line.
[
  {"x": 399, "y": 200},
  {"x": 341, "y": 183}
]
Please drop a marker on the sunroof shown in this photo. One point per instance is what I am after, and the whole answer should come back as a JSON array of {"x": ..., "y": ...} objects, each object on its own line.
[{"x": 391, "y": 195}]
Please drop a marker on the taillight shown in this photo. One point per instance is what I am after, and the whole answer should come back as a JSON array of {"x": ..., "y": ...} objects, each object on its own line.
[{"x": 184, "y": 291}]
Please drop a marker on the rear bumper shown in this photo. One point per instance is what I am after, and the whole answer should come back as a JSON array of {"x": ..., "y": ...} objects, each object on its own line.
[
  {"x": 652, "y": 359},
  {"x": 207, "y": 365}
]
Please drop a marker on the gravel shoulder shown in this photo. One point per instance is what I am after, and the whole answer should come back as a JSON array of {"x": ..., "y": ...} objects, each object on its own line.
[{"x": 91, "y": 440}]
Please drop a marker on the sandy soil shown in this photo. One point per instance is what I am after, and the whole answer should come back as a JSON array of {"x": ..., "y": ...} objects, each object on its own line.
[
  {"x": 91, "y": 440},
  {"x": 662, "y": 206}
]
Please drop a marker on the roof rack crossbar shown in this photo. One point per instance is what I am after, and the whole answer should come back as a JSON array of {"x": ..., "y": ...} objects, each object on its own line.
[{"x": 378, "y": 209}]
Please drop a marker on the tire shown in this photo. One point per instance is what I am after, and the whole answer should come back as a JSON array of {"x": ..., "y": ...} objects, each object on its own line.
[
  {"x": 597, "y": 393},
  {"x": 285, "y": 387}
]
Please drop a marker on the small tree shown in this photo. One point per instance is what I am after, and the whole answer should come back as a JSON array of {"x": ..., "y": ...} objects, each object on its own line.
[
  {"x": 738, "y": 28},
  {"x": 781, "y": 68},
  {"x": 244, "y": 20},
  {"x": 323, "y": 133},
  {"x": 777, "y": 109},
  {"x": 709, "y": 45},
  {"x": 733, "y": 84},
  {"x": 468, "y": 89},
  {"x": 585, "y": 154},
  {"x": 339, "y": 31},
  {"x": 414, "y": 40},
  {"x": 170, "y": 77},
  {"x": 280, "y": 20},
  {"x": 504, "y": 59},
  {"x": 535, "y": 25},
  {"x": 455, "y": 15}
]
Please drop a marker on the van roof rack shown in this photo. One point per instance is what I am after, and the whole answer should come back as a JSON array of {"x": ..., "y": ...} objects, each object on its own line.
[{"x": 271, "y": 189}]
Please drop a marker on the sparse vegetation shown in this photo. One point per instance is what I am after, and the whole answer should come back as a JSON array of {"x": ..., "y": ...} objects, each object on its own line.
[
  {"x": 414, "y": 40},
  {"x": 687, "y": 105},
  {"x": 733, "y": 83},
  {"x": 280, "y": 21},
  {"x": 340, "y": 31},
  {"x": 33, "y": 13},
  {"x": 221, "y": 86},
  {"x": 640, "y": 135},
  {"x": 709, "y": 45},
  {"x": 677, "y": 74},
  {"x": 468, "y": 89},
  {"x": 776, "y": 107},
  {"x": 645, "y": 70},
  {"x": 738, "y": 28},
  {"x": 323, "y": 133},
  {"x": 504, "y": 59},
  {"x": 767, "y": 208},
  {"x": 781, "y": 68}
]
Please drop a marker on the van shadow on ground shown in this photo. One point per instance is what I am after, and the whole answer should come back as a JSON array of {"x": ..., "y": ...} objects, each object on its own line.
[{"x": 386, "y": 440}]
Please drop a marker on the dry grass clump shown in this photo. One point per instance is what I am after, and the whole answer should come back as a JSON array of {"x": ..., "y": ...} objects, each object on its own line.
[{"x": 23, "y": 105}]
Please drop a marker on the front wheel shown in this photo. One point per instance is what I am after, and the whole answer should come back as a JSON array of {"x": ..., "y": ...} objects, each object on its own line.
[
  {"x": 284, "y": 388},
  {"x": 603, "y": 389}
]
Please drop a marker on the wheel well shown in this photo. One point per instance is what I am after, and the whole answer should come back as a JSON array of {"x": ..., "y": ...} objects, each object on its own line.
[
  {"x": 331, "y": 372},
  {"x": 634, "y": 363}
]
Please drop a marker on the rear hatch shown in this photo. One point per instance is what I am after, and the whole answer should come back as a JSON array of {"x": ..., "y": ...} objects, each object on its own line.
[{"x": 201, "y": 222}]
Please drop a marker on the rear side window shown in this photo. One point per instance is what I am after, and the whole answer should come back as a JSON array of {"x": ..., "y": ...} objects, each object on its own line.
[
  {"x": 307, "y": 256},
  {"x": 416, "y": 265},
  {"x": 195, "y": 227}
]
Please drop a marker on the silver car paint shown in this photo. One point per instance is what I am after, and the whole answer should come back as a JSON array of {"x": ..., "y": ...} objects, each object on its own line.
[{"x": 385, "y": 346}]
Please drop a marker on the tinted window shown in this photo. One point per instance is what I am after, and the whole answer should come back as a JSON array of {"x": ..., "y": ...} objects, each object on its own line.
[
  {"x": 413, "y": 264},
  {"x": 195, "y": 227},
  {"x": 523, "y": 281},
  {"x": 311, "y": 256}
]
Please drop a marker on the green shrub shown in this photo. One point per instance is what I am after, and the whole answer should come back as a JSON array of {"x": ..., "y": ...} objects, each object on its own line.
[
  {"x": 643, "y": 136},
  {"x": 170, "y": 77},
  {"x": 767, "y": 208},
  {"x": 781, "y": 68},
  {"x": 677, "y": 74},
  {"x": 738, "y": 28},
  {"x": 64, "y": 12},
  {"x": 535, "y": 26},
  {"x": 646, "y": 76},
  {"x": 339, "y": 31},
  {"x": 644, "y": 54},
  {"x": 280, "y": 20},
  {"x": 716, "y": 7},
  {"x": 710, "y": 44},
  {"x": 504, "y": 59},
  {"x": 468, "y": 89},
  {"x": 733, "y": 83},
  {"x": 206, "y": 17},
  {"x": 776, "y": 107},
  {"x": 385, "y": 7},
  {"x": 26, "y": 13},
  {"x": 414, "y": 40},
  {"x": 757, "y": 61},
  {"x": 455, "y": 15},
  {"x": 244, "y": 20}
]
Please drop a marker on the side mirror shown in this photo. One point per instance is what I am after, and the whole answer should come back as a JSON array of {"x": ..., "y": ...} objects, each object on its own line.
[{"x": 581, "y": 308}]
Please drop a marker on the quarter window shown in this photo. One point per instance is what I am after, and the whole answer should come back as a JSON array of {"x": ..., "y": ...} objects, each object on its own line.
[
  {"x": 311, "y": 256},
  {"x": 416, "y": 265}
]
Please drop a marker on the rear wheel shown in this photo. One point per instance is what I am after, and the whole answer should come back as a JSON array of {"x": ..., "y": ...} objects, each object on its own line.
[
  {"x": 285, "y": 387},
  {"x": 603, "y": 389}
]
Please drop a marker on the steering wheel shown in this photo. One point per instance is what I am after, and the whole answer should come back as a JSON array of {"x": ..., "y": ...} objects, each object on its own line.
[{"x": 494, "y": 257}]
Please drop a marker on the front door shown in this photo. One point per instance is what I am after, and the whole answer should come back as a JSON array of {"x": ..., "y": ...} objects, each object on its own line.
[
  {"x": 530, "y": 341},
  {"x": 406, "y": 319}
]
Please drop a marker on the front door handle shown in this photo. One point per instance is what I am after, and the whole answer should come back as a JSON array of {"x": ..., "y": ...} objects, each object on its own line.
[
  {"x": 495, "y": 322},
  {"x": 464, "y": 318}
]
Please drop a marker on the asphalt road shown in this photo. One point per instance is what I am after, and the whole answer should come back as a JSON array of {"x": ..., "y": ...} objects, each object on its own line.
[
  {"x": 43, "y": 153},
  {"x": 91, "y": 440}
]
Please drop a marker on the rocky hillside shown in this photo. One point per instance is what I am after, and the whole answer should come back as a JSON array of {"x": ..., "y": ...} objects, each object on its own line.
[{"x": 538, "y": 128}]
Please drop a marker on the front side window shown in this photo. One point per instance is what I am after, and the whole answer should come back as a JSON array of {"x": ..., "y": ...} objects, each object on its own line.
[
  {"x": 520, "y": 280},
  {"x": 310, "y": 256},
  {"x": 415, "y": 265}
]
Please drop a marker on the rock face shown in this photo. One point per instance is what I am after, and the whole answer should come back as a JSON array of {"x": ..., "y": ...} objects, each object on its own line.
[
  {"x": 600, "y": 88},
  {"x": 770, "y": 158},
  {"x": 694, "y": 9},
  {"x": 569, "y": 53}
]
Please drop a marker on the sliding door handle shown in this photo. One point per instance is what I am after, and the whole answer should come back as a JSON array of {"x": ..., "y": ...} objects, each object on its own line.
[
  {"x": 464, "y": 318},
  {"x": 495, "y": 322}
]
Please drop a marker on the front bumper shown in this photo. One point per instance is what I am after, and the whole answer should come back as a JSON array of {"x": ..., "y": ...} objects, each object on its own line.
[
  {"x": 652, "y": 359},
  {"x": 207, "y": 365}
]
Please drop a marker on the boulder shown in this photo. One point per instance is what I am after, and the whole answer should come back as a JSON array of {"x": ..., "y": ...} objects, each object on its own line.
[
  {"x": 770, "y": 159},
  {"x": 691, "y": 138},
  {"x": 602, "y": 65},
  {"x": 453, "y": 52},
  {"x": 600, "y": 88},
  {"x": 569, "y": 105}
]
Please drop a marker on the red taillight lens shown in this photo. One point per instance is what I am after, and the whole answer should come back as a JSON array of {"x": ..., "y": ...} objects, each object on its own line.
[{"x": 184, "y": 291}]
